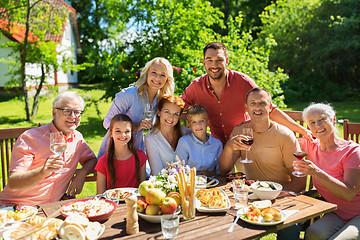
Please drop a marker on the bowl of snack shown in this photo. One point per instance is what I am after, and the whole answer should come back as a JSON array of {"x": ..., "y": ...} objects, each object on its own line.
[
  {"x": 95, "y": 209},
  {"x": 266, "y": 190}
]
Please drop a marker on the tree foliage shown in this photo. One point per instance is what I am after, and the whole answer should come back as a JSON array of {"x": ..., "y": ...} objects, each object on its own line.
[
  {"x": 318, "y": 42},
  {"x": 101, "y": 25},
  {"x": 38, "y": 20},
  {"x": 179, "y": 31}
]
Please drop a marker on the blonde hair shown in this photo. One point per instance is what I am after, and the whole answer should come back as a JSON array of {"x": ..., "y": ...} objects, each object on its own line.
[{"x": 167, "y": 89}]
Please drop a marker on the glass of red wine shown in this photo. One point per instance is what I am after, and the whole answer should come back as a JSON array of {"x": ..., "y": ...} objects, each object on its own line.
[
  {"x": 300, "y": 155},
  {"x": 247, "y": 131}
]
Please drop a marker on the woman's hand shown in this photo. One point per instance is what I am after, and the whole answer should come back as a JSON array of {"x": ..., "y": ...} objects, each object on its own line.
[
  {"x": 306, "y": 166},
  {"x": 144, "y": 124}
]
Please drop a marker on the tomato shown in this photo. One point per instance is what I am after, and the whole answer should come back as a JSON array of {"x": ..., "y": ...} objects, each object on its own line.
[{"x": 125, "y": 195}]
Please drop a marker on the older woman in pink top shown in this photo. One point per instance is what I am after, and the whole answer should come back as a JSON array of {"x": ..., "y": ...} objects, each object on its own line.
[{"x": 334, "y": 165}]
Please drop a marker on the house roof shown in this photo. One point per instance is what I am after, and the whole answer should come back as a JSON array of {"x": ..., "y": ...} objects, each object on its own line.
[{"x": 18, "y": 31}]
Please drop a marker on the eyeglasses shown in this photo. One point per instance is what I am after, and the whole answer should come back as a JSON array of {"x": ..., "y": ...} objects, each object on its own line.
[{"x": 68, "y": 112}]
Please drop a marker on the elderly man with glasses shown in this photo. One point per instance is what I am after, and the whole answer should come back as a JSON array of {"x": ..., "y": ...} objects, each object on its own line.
[{"x": 34, "y": 177}]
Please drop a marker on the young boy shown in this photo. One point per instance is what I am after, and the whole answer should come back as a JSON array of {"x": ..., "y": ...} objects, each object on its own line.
[{"x": 199, "y": 149}]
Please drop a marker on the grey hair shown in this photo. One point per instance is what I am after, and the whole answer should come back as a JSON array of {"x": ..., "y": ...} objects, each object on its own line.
[
  {"x": 324, "y": 108},
  {"x": 327, "y": 109},
  {"x": 68, "y": 94}
]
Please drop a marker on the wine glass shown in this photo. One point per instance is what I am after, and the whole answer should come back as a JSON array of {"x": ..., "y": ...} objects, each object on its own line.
[
  {"x": 149, "y": 112},
  {"x": 300, "y": 155},
  {"x": 247, "y": 131},
  {"x": 58, "y": 146}
]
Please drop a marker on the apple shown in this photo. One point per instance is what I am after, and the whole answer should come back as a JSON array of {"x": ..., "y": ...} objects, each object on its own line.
[
  {"x": 155, "y": 196},
  {"x": 153, "y": 209},
  {"x": 176, "y": 196},
  {"x": 144, "y": 187},
  {"x": 168, "y": 205},
  {"x": 141, "y": 204}
]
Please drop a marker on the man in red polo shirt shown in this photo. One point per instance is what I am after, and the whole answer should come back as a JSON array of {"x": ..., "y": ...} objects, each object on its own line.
[{"x": 223, "y": 91}]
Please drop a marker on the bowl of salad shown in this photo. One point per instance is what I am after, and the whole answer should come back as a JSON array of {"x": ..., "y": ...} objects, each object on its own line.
[{"x": 266, "y": 190}]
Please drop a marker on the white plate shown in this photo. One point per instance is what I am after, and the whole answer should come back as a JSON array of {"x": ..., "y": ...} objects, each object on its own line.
[
  {"x": 130, "y": 190},
  {"x": 213, "y": 210},
  {"x": 21, "y": 220},
  {"x": 155, "y": 218},
  {"x": 261, "y": 221}
]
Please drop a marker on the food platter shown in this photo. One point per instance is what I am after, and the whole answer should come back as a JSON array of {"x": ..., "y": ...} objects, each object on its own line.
[
  {"x": 111, "y": 193},
  {"x": 260, "y": 218},
  {"x": 95, "y": 209},
  {"x": 206, "y": 209},
  {"x": 25, "y": 213}
]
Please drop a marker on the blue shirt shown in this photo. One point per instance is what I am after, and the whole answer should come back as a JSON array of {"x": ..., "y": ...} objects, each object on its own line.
[{"x": 202, "y": 156}]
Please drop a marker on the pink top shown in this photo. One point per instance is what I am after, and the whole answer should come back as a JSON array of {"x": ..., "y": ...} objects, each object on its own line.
[
  {"x": 30, "y": 152},
  {"x": 125, "y": 170},
  {"x": 228, "y": 111},
  {"x": 334, "y": 163}
]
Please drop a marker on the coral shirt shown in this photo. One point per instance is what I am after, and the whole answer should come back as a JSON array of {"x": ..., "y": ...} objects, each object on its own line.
[
  {"x": 30, "y": 152},
  {"x": 125, "y": 171},
  {"x": 334, "y": 163},
  {"x": 224, "y": 112}
]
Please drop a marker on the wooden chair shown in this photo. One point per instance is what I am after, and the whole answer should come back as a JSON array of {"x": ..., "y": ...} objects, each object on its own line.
[
  {"x": 351, "y": 131},
  {"x": 7, "y": 140}
]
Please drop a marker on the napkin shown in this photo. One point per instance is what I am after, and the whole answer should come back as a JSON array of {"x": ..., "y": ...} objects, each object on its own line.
[{"x": 288, "y": 213}]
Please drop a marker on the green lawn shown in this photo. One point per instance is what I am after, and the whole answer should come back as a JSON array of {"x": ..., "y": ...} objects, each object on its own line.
[{"x": 12, "y": 115}]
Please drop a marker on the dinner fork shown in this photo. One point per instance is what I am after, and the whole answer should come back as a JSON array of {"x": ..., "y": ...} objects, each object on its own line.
[{"x": 238, "y": 214}]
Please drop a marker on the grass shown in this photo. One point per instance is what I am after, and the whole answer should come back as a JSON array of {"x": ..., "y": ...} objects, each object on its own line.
[{"x": 12, "y": 115}]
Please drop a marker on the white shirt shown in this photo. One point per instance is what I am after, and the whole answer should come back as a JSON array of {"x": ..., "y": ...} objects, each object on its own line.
[{"x": 159, "y": 150}]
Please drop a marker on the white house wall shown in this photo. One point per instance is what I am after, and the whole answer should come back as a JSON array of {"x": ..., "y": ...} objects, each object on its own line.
[
  {"x": 4, "y": 53},
  {"x": 68, "y": 48}
]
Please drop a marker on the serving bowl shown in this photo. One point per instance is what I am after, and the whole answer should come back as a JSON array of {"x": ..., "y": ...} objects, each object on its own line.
[
  {"x": 266, "y": 190},
  {"x": 97, "y": 204},
  {"x": 155, "y": 218}
]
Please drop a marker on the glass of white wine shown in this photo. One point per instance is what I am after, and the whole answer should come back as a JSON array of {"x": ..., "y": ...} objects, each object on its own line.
[
  {"x": 149, "y": 111},
  {"x": 58, "y": 146}
]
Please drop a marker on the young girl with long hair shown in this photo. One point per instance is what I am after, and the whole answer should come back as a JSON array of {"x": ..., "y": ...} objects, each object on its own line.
[{"x": 122, "y": 165}]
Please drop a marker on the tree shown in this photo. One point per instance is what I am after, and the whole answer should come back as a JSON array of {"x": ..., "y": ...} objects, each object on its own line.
[
  {"x": 102, "y": 24},
  {"x": 38, "y": 19},
  {"x": 318, "y": 45},
  {"x": 178, "y": 31}
]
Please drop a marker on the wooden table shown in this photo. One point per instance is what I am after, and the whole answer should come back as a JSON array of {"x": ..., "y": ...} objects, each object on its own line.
[{"x": 210, "y": 226}]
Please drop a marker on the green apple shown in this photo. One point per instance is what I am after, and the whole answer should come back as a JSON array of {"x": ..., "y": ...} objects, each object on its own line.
[
  {"x": 153, "y": 210},
  {"x": 155, "y": 196},
  {"x": 144, "y": 187}
]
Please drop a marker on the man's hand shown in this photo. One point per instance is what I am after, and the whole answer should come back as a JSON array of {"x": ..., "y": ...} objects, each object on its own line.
[
  {"x": 77, "y": 184},
  {"x": 236, "y": 144},
  {"x": 53, "y": 164},
  {"x": 307, "y": 134}
]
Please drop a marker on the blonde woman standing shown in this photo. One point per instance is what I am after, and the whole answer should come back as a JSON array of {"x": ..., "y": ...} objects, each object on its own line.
[{"x": 156, "y": 80}]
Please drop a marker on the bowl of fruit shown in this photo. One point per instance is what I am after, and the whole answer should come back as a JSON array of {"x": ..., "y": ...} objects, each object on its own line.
[{"x": 153, "y": 203}]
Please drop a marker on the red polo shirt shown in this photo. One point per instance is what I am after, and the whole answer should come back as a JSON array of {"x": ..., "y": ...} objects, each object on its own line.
[{"x": 227, "y": 111}]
